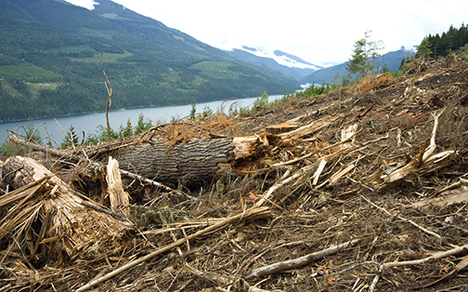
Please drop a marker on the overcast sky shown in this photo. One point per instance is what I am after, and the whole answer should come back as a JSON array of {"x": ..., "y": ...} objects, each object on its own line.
[{"x": 319, "y": 32}]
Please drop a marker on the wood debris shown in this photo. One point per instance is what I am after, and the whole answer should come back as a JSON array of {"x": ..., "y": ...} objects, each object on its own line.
[{"x": 361, "y": 189}]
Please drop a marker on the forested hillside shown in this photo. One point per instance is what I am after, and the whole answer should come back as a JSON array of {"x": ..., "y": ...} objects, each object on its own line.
[{"x": 53, "y": 54}]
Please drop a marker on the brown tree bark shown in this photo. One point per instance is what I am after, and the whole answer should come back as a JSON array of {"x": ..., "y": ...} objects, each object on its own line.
[{"x": 193, "y": 163}]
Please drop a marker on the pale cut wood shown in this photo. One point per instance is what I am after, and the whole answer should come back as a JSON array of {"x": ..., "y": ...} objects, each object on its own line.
[
  {"x": 78, "y": 226},
  {"x": 423, "y": 158},
  {"x": 281, "y": 128},
  {"x": 432, "y": 146},
  {"x": 117, "y": 196},
  {"x": 310, "y": 128},
  {"x": 245, "y": 146},
  {"x": 442, "y": 201},
  {"x": 316, "y": 176}
]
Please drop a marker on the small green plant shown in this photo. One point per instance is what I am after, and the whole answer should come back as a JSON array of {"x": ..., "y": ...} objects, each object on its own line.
[
  {"x": 101, "y": 135},
  {"x": 193, "y": 111},
  {"x": 207, "y": 111},
  {"x": 8, "y": 149},
  {"x": 261, "y": 101},
  {"x": 314, "y": 90},
  {"x": 126, "y": 130},
  {"x": 32, "y": 134},
  {"x": 70, "y": 138},
  {"x": 143, "y": 124}
]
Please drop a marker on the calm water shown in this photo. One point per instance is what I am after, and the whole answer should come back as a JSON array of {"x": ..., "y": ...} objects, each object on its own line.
[{"x": 89, "y": 122}]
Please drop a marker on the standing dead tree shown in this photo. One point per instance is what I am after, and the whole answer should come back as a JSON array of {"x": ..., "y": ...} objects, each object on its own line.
[{"x": 109, "y": 90}]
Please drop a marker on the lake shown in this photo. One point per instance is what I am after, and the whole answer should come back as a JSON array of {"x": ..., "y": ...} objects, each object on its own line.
[{"x": 89, "y": 122}]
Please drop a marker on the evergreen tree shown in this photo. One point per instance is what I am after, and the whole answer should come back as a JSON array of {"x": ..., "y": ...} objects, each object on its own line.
[
  {"x": 360, "y": 65},
  {"x": 357, "y": 64},
  {"x": 143, "y": 124},
  {"x": 193, "y": 110},
  {"x": 32, "y": 133},
  {"x": 70, "y": 139},
  {"x": 261, "y": 101},
  {"x": 424, "y": 49}
]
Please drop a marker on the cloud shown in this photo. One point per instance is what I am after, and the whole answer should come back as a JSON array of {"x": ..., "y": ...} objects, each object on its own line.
[{"x": 316, "y": 31}]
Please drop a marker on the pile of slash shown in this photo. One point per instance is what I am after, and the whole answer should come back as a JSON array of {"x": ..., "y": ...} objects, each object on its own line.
[{"x": 361, "y": 189}]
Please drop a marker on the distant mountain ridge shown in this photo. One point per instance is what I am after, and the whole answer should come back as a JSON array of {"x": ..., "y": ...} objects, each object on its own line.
[
  {"x": 280, "y": 61},
  {"x": 305, "y": 72},
  {"x": 148, "y": 64},
  {"x": 391, "y": 59}
]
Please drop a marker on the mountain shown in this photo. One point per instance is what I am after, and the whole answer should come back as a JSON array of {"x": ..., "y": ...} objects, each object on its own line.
[
  {"x": 391, "y": 59},
  {"x": 53, "y": 54},
  {"x": 277, "y": 60}
]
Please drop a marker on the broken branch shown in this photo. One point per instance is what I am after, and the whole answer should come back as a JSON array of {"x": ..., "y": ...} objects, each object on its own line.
[
  {"x": 249, "y": 214},
  {"x": 298, "y": 262}
]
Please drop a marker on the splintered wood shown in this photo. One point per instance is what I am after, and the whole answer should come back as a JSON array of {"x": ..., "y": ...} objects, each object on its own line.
[
  {"x": 67, "y": 218},
  {"x": 364, "y": 188},
  {"x": 117, "y": 196}
]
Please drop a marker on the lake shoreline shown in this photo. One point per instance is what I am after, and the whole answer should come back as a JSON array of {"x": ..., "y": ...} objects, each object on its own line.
[{"x": 88, "y": 122}]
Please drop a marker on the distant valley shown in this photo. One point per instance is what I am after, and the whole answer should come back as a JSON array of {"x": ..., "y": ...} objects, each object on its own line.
[{"x": 53, "y": 54}]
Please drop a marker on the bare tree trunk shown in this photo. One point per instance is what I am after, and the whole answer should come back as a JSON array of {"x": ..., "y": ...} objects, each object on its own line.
[{"x": 193, "y": 163}]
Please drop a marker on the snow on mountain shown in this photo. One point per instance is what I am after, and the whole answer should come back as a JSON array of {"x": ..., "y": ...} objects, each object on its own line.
[
  {"x": 281, "y": 58},
  {"x": 88, "y": 4}
]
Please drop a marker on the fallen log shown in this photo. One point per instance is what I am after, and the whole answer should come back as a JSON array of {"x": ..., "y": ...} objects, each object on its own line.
[
  {"x": 74, "y": 156},
  {"x": 195, "y": 162}
]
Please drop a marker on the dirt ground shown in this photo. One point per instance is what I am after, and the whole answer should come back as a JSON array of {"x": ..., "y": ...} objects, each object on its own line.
[{"x": 383, "y": 171}]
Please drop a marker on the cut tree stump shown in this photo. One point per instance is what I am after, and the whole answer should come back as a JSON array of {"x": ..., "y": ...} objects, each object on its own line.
[{"x": 69, "y": 221}]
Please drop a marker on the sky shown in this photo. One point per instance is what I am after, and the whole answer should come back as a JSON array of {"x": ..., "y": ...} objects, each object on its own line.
[{"x": 320, "y": 32}]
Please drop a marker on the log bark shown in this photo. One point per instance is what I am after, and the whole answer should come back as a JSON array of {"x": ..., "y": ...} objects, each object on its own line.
[
  {"x": 77, "y": 157},
  {"x": 192, "y": 163}
]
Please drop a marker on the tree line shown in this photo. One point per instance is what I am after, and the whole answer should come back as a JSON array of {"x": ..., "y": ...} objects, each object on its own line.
[{"x": 434, "y": 46}]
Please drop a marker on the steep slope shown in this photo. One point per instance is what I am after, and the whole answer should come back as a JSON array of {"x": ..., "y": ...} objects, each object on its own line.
[
  {"x": 391, "y": 59},
  {"x": 53, "y": 53},
  {"x": 344, "y": 190}
]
